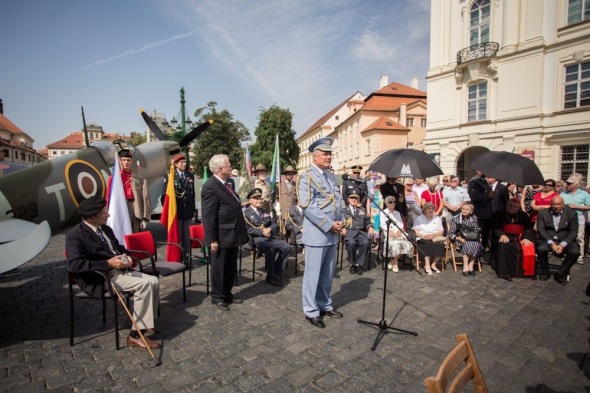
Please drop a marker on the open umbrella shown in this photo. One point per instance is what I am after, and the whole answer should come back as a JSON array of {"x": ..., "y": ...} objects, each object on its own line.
[
  {"x": 508, "y": 167},
  {"x": 406, "y": 163}
]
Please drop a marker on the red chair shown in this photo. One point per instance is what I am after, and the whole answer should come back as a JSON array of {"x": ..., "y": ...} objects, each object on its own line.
[
  {"x": 197, "y": 238},
  {"x": 142, "y": 246}
]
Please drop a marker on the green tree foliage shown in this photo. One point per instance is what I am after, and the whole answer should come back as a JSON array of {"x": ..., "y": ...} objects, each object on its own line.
[
  {"x": 137, "y": 138},
  {"x": 273, "y": 121},
  {"x": 224, "y": 136}
]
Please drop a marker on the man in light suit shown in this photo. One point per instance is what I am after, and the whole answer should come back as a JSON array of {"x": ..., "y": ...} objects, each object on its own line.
[
  {"x": 557, "y": 230},
  {"x": 225, "y": 230},
  {"x": 321, "y": 201},
  {"x": 358, "y": 229},
  {"x": 267, "y": 238}
]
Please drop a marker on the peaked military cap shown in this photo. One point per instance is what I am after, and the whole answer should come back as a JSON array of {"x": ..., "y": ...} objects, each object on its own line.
[
  {"x": 354, "y": 195},
  {"x": 259, "y": 168},
  {"x": 357, "y": 168},
  {"x": 289, "y": 169},
  {"x": 324, "y": 144},
  {"x": 255, "y": 193},
  {"x": 91, "y": 206}
]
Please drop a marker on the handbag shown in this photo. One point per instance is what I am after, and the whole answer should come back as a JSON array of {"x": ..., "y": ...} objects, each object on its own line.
[{"x": 469, "y": 233}]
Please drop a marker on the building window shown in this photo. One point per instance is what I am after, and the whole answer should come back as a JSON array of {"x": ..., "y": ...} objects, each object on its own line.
[
  {"x": 577, "y": 85},
  {"x": 368, "y": 147},
  {"x": 337, "y": 117},
  {"x": 423, "y": 122},
  {"x": 577, "y": 11},
  {"x": 410, "y": 122},
  {"x": 479, "y": 26},
  {"x": 6, "y": 153},
  {"x": 356, "y": 150},
  {"x": 477, "y": 102},
  {"x": 573, "y": 159}
]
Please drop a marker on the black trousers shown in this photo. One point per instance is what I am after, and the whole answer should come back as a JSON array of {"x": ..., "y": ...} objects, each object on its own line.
[
  {"x": 223, "y": 273},
  {"x": 571, "y": 252}
]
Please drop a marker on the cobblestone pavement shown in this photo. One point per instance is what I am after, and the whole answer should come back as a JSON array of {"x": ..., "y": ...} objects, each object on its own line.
[{"x": 528, "y": 336}]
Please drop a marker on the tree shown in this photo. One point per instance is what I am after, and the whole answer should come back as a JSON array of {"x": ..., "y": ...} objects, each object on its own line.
[
  {"x": 137, "y": 138},
  {"x": 224, "y": 136},
  {"x": 273, "y": 121}
]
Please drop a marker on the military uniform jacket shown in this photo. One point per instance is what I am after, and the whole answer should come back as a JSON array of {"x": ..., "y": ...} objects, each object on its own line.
[
  {"x": 257, "y": 221},
  {"x": 185, "y": 195},
  {"x": 265, "y": 187},
  {"x": 357, "y": 224},
  {"x": 294, "y": 222},
  {"x": 321, "y": 202},
  {"x": 287, "y": 196},
  {"x": 350, "y": 187}
]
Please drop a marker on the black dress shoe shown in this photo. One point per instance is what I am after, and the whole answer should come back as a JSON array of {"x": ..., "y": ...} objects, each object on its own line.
[
  {"x": 544, "y": 277},
  {"x": 466, "y": 274},
  {"x": 316, "y": 321},
  {"x": 359, "y": 270},
  {"x": 560, "y": 279},
  {"x": 222, "y": 306},
  {"x": 472, "y": 273},
  {"x": 507, "y": 278},
  {"x": 273, "y": 281},
  {"x": 332, "y": 314},
  {"x": 352, "y": 269}
]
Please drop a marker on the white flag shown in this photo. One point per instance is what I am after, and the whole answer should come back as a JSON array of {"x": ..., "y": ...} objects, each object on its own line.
[{"x": 119, "y": 214}]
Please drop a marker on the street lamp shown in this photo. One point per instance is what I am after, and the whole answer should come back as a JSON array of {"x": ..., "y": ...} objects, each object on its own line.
[{"x": 179, "y": 123}]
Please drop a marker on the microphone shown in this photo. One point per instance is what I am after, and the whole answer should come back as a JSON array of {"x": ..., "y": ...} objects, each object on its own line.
[{"x": 354, "y": 179}]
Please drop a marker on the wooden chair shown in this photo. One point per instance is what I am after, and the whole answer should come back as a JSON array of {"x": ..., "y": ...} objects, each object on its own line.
[
  {"x": 197, "y": 239},
  {"x": 108, "y": 293},
  {"x": 451, "y": 377},
  {"x": 457, "y": 259},
  {"x": 142, "y": 246}
]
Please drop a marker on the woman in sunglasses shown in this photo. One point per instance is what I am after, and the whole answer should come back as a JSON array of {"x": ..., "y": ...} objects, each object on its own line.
[
  {"x": 542, "y": 200},
  {"x": 397, "y": 244}
]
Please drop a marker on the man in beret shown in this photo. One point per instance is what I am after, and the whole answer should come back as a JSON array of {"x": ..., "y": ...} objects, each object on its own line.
[
  {"x": 321, "y": 202},
  {"x": 92, "y": 246},
  {"x": 267, "y": 238},
  {"x": 578, "y": 200},
  {"x": 136, "y": 193},
  {"x": 184, "y": 188},
  {"x": 260, "y": 182}
]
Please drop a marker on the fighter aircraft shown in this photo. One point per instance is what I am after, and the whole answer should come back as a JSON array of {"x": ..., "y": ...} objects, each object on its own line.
[{"x": 42, "y": 200}]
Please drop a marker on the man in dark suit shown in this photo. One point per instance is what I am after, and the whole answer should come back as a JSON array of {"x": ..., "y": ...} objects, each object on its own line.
[
  {"x": 358, "y": 229},
  {"x": 395, "y": 189},
  {"x": 184, "y": 188},
  {"x": 557, "y": 230},
  {"x": 225, "y": 230},
  {"x": 479, "y": 194},
  {"x": 92, "y": 246},
  {"x": 267, "y": 238},
  {"x": 499, "y": 193}
]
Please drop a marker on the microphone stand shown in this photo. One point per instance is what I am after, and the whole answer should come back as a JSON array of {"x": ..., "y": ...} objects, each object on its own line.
[{"x": 382, "y": 325}]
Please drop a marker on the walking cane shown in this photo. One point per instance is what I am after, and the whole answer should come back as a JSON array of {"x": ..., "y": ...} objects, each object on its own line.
[{"x": 132, "y": 320}]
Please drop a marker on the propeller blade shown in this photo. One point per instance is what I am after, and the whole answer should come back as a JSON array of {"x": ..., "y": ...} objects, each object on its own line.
[
  {"x": 152, "y": 126},
  {"x": 195, "y": 132}
]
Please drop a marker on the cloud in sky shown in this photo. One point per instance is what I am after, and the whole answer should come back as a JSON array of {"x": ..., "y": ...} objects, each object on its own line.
[{"x": 130, "y": 52}]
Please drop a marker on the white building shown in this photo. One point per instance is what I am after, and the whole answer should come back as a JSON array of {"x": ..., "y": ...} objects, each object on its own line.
[{"x": 510, "y": 75}]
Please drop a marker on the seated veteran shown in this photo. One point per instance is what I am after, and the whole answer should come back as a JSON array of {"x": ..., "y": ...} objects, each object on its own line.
[
  {"x": 92, "y": 246},
  {"x": 429, "y": 237},
  {"x": 512, "y": 240},
  {"x": 267, "y": 238},
  {"x": 358, "y": 229},
  {"x": 471, "y": 249},
  {"x": 294, "y": 223},
  {"x": 557, "y": 229},
  {"x": 396, "y": 244}
]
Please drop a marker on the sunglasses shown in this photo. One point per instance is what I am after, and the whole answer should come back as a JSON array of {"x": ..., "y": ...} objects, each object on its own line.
[
  {"x": 568, "y": 183},
  {"x": 391, "y": 203}
]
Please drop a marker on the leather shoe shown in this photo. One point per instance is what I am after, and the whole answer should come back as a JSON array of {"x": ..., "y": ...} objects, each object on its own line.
[
  {"x": 273, "y": 281},
  {"x": 507, "y": 278},
  {"x": 332, "y": 314},
  {"x": 352, "y": 269},
  {"x": 559, "y": 279},
  {"x": 222, "y": 306},
  {"x": 138, "y": 342},
  {"x": 359, "y": 270},
  {"x": 544, "y": 277},
  {"x": 234, "y": 301},
  {"x": 316, "y": 321},
  {"x": 149, "y": 332}
]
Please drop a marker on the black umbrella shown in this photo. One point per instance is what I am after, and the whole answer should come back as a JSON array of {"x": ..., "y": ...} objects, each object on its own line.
[
  {"x": 508, "y": 167},
  {"x": 406, "y": 163}
]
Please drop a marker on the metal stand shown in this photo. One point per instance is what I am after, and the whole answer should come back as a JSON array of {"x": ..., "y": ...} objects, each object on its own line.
[{"x": 382, "y": 325}]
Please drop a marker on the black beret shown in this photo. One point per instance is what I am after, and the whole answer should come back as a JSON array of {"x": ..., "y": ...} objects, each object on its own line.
[
  {"x": 91, "y": 206},
  {"x": 256, "y": 192},
  {"x": 124, "y": 153}
]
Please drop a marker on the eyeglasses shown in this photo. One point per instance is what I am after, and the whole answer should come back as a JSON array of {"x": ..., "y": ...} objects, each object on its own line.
[
  {"x": 549, "y": 185},
  {"x": 445, "y": 181},
  {"x": 391, "y": 203}
]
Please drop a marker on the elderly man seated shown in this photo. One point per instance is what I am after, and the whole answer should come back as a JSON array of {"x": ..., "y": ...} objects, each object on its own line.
[
  {"x": 512, "y": 238},
  {"x": 357, "y": 231},
  {"x": 267, "y": 237},
  {"x": 557, "y": 230}
]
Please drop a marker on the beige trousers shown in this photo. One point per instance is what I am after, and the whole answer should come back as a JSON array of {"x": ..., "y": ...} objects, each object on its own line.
[{"x": 146, "y": 293}]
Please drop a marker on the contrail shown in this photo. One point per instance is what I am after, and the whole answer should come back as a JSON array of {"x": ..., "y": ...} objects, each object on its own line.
[{"x": 143, "y": 48}]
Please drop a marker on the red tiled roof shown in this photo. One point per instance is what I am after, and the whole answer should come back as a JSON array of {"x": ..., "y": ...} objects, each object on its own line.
[
  {"x": 325, "y": 118},
  {"x": 7, "y": 125},
  {"x": 385, "y": 123},
  {"x": 73, "y": 141},
  {"x": 397, "y": 89},
  {"x": 378, "y": 103}
]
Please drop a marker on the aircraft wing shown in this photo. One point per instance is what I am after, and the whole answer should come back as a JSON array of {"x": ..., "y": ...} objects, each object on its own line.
[{"x": 21, "y": 241}]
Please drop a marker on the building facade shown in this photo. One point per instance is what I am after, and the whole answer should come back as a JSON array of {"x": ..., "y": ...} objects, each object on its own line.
[
  {"x": 510, "y": 76},
  {"x": 15, "y": 145},
  {"x": 76, "y": 141}
]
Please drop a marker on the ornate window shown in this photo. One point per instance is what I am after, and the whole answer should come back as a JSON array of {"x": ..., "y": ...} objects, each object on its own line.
[
  {"x": 573, "y": 159},
  {"x": 577, "y": 11},
  {"x": 479, "y": 22},
  {"x": 577, "y": 85},
  {"x": 477, "y": 102}
]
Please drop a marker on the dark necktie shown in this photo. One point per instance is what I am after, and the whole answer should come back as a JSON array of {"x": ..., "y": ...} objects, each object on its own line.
[
  {"x": 231, "y": 191},
  {"x": 182, "y": 176},
  {"x": 104, "y": 241}
]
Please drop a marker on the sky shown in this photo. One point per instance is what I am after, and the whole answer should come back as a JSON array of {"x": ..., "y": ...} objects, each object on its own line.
[{"x": 114, "y": 57}]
